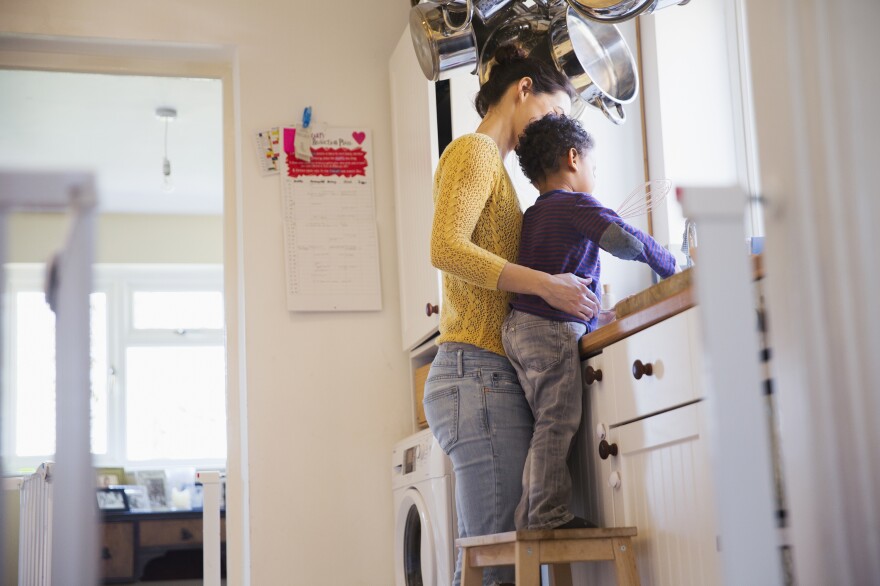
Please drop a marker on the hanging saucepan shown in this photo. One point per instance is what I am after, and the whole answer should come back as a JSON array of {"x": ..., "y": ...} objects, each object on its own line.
[
  {"x": 441, "y": 46},
  {"x": 614, "y": 11},
  {"x": 597, "y": 60}
]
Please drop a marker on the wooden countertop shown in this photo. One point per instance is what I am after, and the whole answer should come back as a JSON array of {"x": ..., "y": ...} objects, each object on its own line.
[{"x": 595, "y": 341}]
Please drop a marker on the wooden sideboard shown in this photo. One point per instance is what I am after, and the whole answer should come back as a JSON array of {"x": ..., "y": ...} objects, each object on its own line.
[{"x": 162, "y": 545}]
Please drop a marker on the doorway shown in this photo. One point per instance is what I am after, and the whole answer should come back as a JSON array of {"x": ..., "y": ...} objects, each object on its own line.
[{"x": 137, "y": 226}]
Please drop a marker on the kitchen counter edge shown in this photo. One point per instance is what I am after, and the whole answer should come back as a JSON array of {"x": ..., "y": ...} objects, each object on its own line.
[{"x": 595, "y": 341}]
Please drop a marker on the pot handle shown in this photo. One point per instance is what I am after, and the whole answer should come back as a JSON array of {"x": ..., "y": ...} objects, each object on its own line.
[
  {"x": 618, "y": 119},
  {"x": 451, "y": 28},
  {"x": 610, "y": 18}
]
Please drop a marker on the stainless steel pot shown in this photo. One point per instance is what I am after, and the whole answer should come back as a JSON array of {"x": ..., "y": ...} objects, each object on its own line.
[
  {"x": 441, "y": 46},
  {"x": 614, "y": 11},
  {"x": 597, "y": 61}
]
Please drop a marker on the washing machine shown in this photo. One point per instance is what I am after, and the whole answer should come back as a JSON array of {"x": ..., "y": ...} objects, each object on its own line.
[{"x": 424, "y": 512}]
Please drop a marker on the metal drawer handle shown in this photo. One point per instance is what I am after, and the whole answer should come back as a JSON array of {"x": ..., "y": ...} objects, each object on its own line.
[
  {"x": 606, "y": 449},
  {"x": 592, "y": 375},
  {"x": 105, "y": 553},
  {"x": 185, "y": 534},
  {"x": 642, "y": 369}
]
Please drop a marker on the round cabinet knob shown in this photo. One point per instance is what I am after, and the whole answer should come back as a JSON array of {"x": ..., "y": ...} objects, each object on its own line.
[
  {"x": 432, "y": 309},
  {"x": 614, "y": 479},
  {"x": 641, "y": 369},
  {"x": 592, "y": 375},
  {"x": 606, "y": 449},
  {"x": 600, "y": 431}
]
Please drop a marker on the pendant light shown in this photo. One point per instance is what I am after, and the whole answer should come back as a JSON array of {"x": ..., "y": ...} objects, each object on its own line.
[{"x": 167, "y": 115}]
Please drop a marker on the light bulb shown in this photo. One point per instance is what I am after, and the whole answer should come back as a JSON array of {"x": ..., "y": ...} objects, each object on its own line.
[{"x": 167, "y": 182}]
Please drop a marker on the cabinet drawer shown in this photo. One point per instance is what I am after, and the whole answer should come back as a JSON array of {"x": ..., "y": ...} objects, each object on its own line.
[
  {"x": 117, "y": 551},
  {"x": 170, "y": 532},
  {"x": 664, "y": 351}
]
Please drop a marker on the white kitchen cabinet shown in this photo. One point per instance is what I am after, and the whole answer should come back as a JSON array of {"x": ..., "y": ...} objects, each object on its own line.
[
  {"x": 592, "y": 497},
  {"x": 664, "y": 487},
  {"x": 660, "y": 478},
  {"x": 414, "y": 144},
  {"x": 598, "y": 403}
]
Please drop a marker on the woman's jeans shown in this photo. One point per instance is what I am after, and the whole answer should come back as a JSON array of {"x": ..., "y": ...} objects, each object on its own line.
[
  {"x": 479, "y": 415},
  {"x": 545, "y": 355}
]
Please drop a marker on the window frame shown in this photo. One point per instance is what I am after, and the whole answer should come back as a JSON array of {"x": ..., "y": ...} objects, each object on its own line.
[{"x": 119, "y": 282}]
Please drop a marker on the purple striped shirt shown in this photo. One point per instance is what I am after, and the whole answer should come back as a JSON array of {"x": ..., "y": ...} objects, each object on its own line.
[{"x": 561, "y": 234}]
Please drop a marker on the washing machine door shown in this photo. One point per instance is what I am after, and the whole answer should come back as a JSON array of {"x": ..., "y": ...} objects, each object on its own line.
[{"x": 414, "y": 554}]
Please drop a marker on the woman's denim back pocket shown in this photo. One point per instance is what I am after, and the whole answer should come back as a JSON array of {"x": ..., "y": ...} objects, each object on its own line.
[{"x": 442, "y": 410}]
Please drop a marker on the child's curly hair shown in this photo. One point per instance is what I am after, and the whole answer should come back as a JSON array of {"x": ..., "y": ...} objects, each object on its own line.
[{"x": 545, "y": 143}]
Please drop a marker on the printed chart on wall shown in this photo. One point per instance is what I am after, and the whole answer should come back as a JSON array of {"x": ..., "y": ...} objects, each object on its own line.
[{"x": 331, "y": 247}]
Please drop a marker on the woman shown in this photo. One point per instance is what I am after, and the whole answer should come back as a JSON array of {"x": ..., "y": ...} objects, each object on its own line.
[{"x": 473, "y": 401}]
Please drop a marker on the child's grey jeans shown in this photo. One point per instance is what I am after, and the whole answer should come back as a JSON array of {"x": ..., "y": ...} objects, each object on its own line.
[{"x": 545, "y": 355}]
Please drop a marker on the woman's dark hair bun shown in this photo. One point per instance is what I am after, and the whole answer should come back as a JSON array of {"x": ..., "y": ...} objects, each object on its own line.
[
  {"x": 509, "y": 53},
  {"x": 512, "y": 63}
]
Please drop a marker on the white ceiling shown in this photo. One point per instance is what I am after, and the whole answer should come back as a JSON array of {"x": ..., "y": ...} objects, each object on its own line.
[{"x": 107, "y": 124}]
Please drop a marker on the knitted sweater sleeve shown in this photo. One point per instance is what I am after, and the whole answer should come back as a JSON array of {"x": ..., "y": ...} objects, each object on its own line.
[{"x": 466, "y": 178}]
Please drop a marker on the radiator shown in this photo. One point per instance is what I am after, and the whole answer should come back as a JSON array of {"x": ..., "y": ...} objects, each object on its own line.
[{"x": 35, "y": 529}]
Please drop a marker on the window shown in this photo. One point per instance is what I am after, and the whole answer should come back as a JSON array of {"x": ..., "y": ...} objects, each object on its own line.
[
  {"x": 158, "y": 372},
  {"x": 699, "y": 120}
]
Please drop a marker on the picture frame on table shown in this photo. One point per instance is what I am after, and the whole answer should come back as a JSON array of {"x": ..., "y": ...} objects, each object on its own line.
[
  {"x": 105, "y": 477},
  {"x": 111, "y": 499},
  {"x": 136, "y": 495},
  {"x": 155, "y": 482}
]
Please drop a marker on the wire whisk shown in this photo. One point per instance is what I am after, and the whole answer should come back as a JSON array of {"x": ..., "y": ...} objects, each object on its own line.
[{"x": 644, "y": 198}]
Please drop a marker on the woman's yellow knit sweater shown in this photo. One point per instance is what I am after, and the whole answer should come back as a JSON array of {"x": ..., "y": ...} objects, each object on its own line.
[{"x": 477, "y": 221}]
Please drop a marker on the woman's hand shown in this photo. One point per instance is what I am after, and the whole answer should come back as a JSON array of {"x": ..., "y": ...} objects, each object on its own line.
[
  {"x": 569, "y": 293},
  {"x": 566, "y": 292}
]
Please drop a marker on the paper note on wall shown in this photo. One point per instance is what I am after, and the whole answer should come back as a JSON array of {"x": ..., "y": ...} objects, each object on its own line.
[
  {"x": 268, "y": 151},
  {"x": 331, "y": 245}
]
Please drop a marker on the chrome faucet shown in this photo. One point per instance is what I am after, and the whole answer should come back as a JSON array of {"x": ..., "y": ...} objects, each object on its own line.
[{"x": 689, "y": 241}]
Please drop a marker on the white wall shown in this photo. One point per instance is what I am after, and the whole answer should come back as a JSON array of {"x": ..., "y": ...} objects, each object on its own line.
[
  {"x": 122, "y": 238},
  {"x": 326, "y": 394}
]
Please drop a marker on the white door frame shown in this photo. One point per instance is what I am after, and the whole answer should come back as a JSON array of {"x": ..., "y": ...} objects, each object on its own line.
[{"x": 176, "y": 60}]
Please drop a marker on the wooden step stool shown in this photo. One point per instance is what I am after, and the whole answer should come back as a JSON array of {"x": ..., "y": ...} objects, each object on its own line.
[{"x": 527, "y": 550}]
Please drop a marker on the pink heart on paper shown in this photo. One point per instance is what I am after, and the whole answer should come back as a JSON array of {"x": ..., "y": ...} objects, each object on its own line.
[{"x": 359, "y": 137}]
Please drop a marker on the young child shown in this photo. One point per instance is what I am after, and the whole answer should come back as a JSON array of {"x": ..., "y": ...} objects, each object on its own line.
[{"x": 561, "y": 233}]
